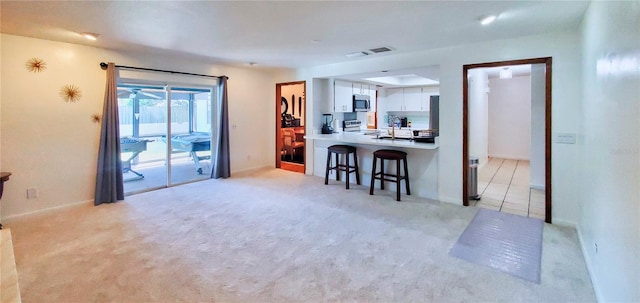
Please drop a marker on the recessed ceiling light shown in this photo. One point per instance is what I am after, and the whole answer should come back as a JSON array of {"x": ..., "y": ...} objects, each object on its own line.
[
  {"x": 506, "y": 73},
  {"x": 91, "y": 36},
  {"x": 315, "y": 41},
  {"x": 486, "y": 20}
]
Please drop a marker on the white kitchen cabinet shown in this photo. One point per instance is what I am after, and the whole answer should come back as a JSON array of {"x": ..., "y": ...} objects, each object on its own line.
[
  {"x": 412, "y": 99},
  {"x": 360, "y": 88},
  {"x": 409, "y": 99},
  {"x": 342, "y": 97},
  {"x": 367, "y": 90},
  {"x": 395, "y": 100},
  {"x": 403, "y": 99}
]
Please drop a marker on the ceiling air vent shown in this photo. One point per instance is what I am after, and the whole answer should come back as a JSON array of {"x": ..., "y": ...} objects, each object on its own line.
[{"x": 378, "y": 50}]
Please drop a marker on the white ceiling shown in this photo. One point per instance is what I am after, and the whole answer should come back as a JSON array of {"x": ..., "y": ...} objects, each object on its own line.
[
  {"x": 428, "y": 72},
  {"x": 280, "y": 33}
]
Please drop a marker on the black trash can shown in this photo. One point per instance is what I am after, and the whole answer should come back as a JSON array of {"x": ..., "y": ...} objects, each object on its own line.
[{"x": 473, "y": 179}]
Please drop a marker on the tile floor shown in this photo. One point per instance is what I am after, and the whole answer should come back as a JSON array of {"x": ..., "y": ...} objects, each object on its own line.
[{"x": 504, "y": 186}]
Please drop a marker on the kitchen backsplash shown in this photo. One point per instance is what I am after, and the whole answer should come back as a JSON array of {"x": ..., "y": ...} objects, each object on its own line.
[{"x": 418, "y": 121}]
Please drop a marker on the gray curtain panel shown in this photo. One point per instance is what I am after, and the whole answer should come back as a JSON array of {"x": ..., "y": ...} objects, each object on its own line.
[
  {"x": 109, "y": 184},
  {"x": 221, "y": 161}
]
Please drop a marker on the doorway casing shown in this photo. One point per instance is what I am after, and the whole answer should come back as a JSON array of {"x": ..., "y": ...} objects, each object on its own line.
[
  {"x": 465, "y": 125},
  {"x": 278, "y": 118}
]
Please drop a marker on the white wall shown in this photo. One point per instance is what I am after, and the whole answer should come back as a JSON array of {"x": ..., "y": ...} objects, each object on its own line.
[
  {"x": 510, "y": 118},
  {"x": 323, "y": 91},
  {"x": 563, "y": 47},
  {"x": 478, "y": 115},
  {"x": 52, "y": 145},
  {"x": 537, "y": 165},
  {"x": 609, "y": 141}
]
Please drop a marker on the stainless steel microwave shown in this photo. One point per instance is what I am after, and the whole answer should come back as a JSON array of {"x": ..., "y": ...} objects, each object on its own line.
[{"x": 361, "y": 103}]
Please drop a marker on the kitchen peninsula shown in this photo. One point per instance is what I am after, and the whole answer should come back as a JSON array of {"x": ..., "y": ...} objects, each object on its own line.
[{"x": 422, "y": 159}]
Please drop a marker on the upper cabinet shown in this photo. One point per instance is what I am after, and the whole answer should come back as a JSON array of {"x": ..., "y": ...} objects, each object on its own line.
[
  {"x": 395, "y": 100},
  {"x": 343, "y": 96},
  {"x": 360, "y": 88},
  {"x": 409, "y": 99},
  {"x": 344, "y": 91},
  {"x": 412, "y": 99},
  {"x": 368, "y": 90}
]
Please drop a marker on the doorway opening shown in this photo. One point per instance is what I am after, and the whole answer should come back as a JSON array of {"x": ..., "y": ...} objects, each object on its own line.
[
  {"x": 290, "y": 126},
  {"x": 536, "y": 162}
]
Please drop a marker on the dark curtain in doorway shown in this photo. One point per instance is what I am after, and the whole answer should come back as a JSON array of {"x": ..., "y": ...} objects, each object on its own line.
[
  {"x": 221, "y": 161},
  {"x": 109, "y": 183}
]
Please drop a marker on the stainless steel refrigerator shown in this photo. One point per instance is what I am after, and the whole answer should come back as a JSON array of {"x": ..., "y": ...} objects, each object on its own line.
[{"x": 434, "y": 113}]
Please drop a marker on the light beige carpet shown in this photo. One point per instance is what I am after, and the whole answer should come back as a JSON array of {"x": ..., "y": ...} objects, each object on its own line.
[
  {"x": 9, "y": 288},
  {"x": 274, "y": 236}
]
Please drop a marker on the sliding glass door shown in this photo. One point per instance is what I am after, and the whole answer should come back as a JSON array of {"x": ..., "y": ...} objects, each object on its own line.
[
  {"x": 143, "y": 120},
  {"x": 165, "y": 135},
  {"x": 190, "y": 130}
]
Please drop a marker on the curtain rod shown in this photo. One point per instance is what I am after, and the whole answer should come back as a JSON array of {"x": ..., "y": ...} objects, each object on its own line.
[{"x": 104, "y": 66}]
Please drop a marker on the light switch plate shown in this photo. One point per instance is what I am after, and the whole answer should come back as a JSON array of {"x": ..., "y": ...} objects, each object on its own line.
[{"x": 566, "y": 138}]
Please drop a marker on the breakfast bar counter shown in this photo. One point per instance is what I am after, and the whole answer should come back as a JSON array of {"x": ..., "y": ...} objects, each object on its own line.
[
  {"x": 422, "y": 160},
  {"x": 360, "y": 138}
]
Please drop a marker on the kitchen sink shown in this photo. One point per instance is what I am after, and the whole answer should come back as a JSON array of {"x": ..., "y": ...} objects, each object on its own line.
[
  {"x": 415, "y": 139},
  {"x": 391, "y": 138}
]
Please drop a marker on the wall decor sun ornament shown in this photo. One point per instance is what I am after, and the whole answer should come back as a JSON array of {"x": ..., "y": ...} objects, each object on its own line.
[
  {"x": 96, "y": 118},
  {"x": 36, "y": 65},
  {"x": 70, "y": 93}
]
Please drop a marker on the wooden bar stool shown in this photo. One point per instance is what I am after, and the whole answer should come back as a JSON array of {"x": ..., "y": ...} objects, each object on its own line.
[
  {"x": 387, "y": 154},
  {"x": 347, "y": 167}
]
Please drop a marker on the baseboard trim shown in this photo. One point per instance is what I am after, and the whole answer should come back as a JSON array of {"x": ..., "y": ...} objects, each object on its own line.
[
  {"x": 449, "y": 200},
  {"x": 587, "y": 260},
  {"x": 561, "y": 222},
  {"x": 536, "y": 186},
  {"x": 46, "y": 210}
]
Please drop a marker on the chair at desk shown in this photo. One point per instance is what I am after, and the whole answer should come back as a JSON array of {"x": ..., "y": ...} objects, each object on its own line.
[{"x": 289, "y": 142}]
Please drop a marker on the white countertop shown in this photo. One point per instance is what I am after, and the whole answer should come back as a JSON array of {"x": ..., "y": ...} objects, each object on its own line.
[{"x": 360, "y": 138}]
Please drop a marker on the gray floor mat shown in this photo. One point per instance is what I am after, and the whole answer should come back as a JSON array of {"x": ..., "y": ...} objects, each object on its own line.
[{"x": 502, "y": 241}]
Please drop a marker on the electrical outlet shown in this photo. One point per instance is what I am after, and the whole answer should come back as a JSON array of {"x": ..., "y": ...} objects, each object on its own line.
[{"x": 32, "y": 193}]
